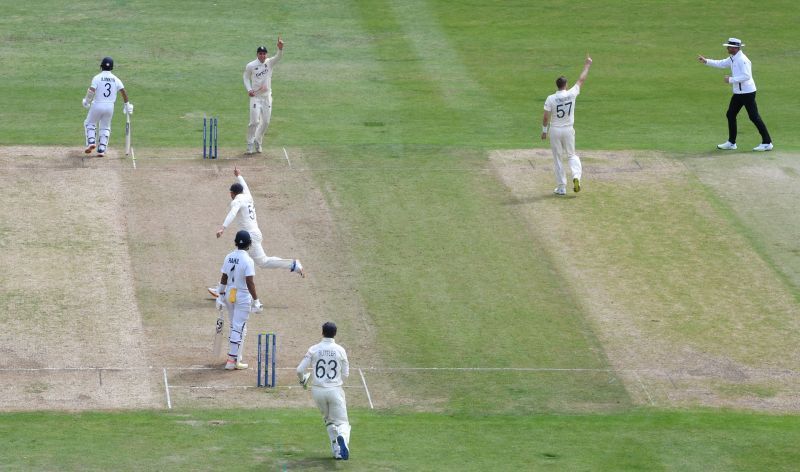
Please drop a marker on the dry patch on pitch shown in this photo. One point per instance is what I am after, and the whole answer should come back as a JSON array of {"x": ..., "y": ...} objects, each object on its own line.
[
  {"x": 687, "y": 311},
  {"x": 104, "y": 300}
]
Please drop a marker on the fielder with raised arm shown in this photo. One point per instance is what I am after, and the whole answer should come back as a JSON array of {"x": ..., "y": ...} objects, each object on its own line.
[
  {"x": 99, "y": 99},
  {"x": 237, "y": 291},
  {"x": 258, "y": 83},
  {"x": 559, "y": 115},
  {"x": 243, "y": 210},
  {"x": 329, "y": 368}
]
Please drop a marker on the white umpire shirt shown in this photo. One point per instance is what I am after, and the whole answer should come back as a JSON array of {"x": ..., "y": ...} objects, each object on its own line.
[
  {"x": 741, "y": 78},
  {"x": 243, "y": 210},
  {"x": 561, "y": 106},
  {"x": 329, "y": 364}
]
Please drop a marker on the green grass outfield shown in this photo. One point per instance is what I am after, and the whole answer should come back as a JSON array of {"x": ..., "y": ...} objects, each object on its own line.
[
  {"x": 398, "y": 104},
  {"x": 290, "y": 440}
]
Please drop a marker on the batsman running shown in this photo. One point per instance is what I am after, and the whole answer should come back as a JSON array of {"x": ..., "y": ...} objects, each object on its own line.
[
  {"x": 99, "y": 99},
  {"x": 258, "y": 83},
  {"x": 243, "y": 211},
  {"x": 237, "y": 294}
]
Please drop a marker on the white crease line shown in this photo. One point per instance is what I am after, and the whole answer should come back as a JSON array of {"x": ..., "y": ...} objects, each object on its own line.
[
  {"x": 364, "y": 381},
  {"x": 287, "y": 157},
  {"x": 166, "y": 388},
  {"x": 641, "y": 384}
]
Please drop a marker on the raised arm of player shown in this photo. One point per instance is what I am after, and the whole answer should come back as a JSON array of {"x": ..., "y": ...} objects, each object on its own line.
[{"x": 586, "y": 64}]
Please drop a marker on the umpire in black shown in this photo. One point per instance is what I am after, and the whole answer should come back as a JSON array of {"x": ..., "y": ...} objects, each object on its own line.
[{"x": 744, "y": 93}]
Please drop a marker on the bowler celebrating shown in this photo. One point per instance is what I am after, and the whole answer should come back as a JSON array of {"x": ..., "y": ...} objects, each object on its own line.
[{"x": 258, "y": 83}]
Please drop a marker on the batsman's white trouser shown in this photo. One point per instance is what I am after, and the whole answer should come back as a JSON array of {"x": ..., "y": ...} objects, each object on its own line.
[
  {"x": 261, "y": 258},
  {"x": 238, "y": 313},
  {"x": 562, "y": 143},
  {"x": 260, "y": 114},
  {"x": 333, "y": 406},
  {"x": 100, "y": 112}
]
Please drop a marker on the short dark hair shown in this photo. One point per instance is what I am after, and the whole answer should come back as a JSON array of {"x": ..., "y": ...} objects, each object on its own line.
[
  {"x": 329, "y": 329},
  {"x": 561, "y": 82},
  {"x": 237, "y": 188}
]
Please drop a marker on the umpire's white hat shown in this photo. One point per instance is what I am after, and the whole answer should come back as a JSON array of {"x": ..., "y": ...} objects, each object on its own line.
[{"x": 734, "y": 43}]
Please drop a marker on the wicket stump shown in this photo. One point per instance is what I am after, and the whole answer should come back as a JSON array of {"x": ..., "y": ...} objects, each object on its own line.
[
  {"x": 210, "y": 137},
  {"x": 266, "y": 342}
]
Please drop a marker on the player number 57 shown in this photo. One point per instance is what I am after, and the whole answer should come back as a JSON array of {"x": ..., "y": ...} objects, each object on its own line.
[{"x": 560, "y": 109}]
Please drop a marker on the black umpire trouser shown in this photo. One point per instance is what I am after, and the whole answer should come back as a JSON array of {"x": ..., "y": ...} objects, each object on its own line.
[{"x": 748, "y": 101}]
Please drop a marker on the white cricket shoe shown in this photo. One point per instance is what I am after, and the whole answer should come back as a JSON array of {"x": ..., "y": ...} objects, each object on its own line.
[
  {"x": 298, "y": 267},
  {"x": 230, "y": 365},
  {"x": 241, "y": 365},
  {"x": 213, "y": 292},
  {"x": 250, "y": 148},
  {"x": 560, "y": 191},
  {"x": 258, "y": 147},
  {"x": 763, "y": 147},
  {"x": 727, "y": 146},
  {"x": 89, "y": 148},
  {"x": 344, "y": 453}
]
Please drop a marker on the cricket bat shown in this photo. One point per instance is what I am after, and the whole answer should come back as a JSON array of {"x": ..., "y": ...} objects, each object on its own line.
[
  {"x": 127, "y": 134},
  {"x": 216, "y": 349}
]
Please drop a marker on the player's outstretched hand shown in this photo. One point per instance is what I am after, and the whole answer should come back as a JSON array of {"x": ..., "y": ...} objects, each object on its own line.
[
  {"x": 236, "y": 171},
  {"x": 85, "y": 103},
  {"x": 280, "y": 43},
  {"x": 588, "y": 61},
  {"x": 304, "y": 382}
]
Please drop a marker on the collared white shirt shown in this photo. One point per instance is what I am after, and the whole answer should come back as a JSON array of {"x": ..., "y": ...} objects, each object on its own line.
[
  {"x": 741, "y": 79},
  {"x": 243, "y": 210},
  {"x": 329, "y": 364},
  {"x": 258, "y": 75},
  {"x": 238, "y": 265},
  {"x": 561, "y": 106},
  {"x": 106, "y": 85}
]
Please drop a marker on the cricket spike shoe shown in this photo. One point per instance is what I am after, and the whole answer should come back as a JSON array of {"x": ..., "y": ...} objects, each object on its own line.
[
  {"x": 763, "y": 147},
  {"x": 727, "y": 146},
  {"x": 230, "y": 365},
  {"x": 343, "y": 451},
  {"x": 241, "y": 366},
  {"x": 298, "y": 267},
  {"x": 560, "y": 191},
  {"x": 89, "y": 148},
  {"x": 576, "y": 185}
]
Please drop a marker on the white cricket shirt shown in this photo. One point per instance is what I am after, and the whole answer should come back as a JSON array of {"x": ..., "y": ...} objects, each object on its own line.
[
  {"x": 238, "y": 265},
  {"x": 561, "y": 106},
  {"x": 329, "y": 364},
  {"x": 741, "y": 79},
  {"x": 243, "y": 210},
  {"x": 106, "y": 86},
  {"x": 258, "y": 76}
]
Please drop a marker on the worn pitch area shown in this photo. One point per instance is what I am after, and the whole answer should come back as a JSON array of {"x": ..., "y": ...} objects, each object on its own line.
[
  {"x": 691, "y": 305},
  {"x": 104, "y": 301}
]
